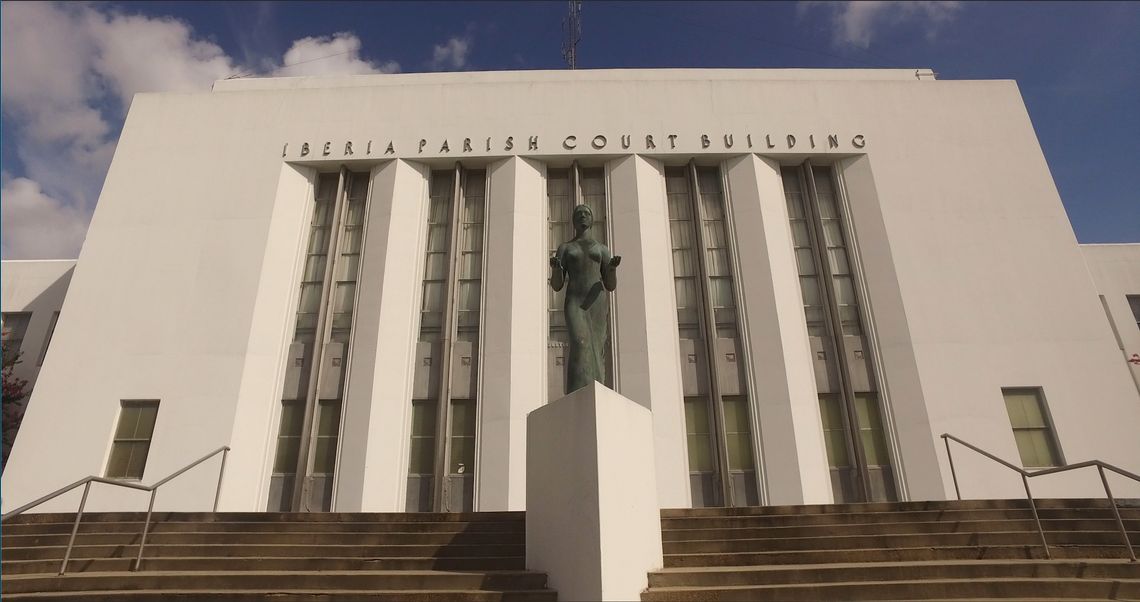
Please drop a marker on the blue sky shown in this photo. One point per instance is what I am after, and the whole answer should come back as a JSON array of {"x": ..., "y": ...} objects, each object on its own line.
[{"x": 69, "y": 72}]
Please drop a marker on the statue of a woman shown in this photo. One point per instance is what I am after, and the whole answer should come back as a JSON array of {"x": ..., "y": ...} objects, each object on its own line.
[{"x": 589, "y": 268}]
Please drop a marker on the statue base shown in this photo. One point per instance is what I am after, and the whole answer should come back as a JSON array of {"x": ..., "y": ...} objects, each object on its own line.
[{"x": 592, "y": 519}]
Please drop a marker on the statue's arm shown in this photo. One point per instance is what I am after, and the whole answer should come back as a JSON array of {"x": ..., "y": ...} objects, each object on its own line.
[
  {"x": 557, "y": 272},
  {"x": 609, "y": 270}
]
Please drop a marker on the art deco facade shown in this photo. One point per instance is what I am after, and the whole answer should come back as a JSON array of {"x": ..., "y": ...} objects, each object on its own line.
[{"x": 345, "y": 280}]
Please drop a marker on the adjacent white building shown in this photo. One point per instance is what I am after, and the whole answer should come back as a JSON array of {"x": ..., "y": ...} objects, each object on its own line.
[{"x": 345, "y": 280}]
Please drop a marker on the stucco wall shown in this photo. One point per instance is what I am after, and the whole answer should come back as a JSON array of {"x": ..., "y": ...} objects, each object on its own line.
[{"x": 185, "y": 286}]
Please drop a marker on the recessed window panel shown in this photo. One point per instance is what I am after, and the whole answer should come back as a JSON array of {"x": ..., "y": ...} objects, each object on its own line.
[
  {"x": 1036, "y": 442},
  {"x": 132, "y": 441}
]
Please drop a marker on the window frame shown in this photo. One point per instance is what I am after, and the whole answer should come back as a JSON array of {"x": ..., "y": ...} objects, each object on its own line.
[
  {"x": 1050, "y": 428},
  {"x": 7, "y": 332},
  {"x": 116, "y": 440},
  {"x": 1134, "y": 304}
]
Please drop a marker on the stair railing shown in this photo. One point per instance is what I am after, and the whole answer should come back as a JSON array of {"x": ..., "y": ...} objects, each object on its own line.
[
  {"x": 153, "y": 489},
  {"x": 1026, "y": 475}
]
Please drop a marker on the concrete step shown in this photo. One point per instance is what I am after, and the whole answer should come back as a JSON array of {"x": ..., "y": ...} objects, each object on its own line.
[
  {"x": 950, "y": 589},
  {"x": 925, "y": 505},
  {"x": 283, "y": 595},
  {"x": 253, "y": 550},
  {"x": 206, "y": 564},
  {"x": 271, "y": 517},
  {"x": 895, "y": 528},
  {"x": 295, "y": 538},
  {"x": 972, "y": 526},
  {"x": 897, "y": 554},
  {"x": 893, "y": 571},
  {"x": 511, "y": 526},
  {"x": 842, "y": 542},
  {"x": 274, "y": 580},
  {"x": 706, "y": 520}
]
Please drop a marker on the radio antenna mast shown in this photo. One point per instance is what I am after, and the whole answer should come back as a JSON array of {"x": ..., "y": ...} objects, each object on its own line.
[{"x": 572, "y": 25}]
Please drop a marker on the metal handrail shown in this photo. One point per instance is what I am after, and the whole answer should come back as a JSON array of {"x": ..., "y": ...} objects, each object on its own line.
[
  {"x": 153, "y": 489},
  {"x": 1026, "y": 475}
]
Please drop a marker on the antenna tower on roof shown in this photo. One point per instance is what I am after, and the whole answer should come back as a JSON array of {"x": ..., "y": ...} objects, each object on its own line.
[{"x": 572, "y": 24}]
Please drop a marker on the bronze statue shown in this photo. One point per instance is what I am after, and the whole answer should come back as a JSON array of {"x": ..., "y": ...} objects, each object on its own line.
[{"x": 589, "y": 267}]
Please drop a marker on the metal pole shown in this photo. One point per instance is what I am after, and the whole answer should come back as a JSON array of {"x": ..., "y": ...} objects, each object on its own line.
[
  {"x": 953, "y": 475},
  {"x": 221, "y": 471},
  {"x": 75, "y": 528},
  {"x": 1116, "y": 513},
  {"x": 1036, "y": 519},
  {"x": 146, "y": 529}
]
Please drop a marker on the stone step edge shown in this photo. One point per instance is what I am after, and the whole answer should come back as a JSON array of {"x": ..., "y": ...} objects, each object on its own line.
[
  {"x": 264, "y": 573},
  {"x": 257, "y": 534},
  {"x": 1027, "y": 519},
  {"x": 1126, "y": 512},
  {"x": 447, "y": 517},
  {"x": 848, "y": 551},
  {"x": 189, "y": 559},
  {"x": 900, "y": 583},
  {"x": 969, "y": 504},
  {"x": 897, "y": 563},
  {"x": 992, "y": 534},
  {"x": 284, "y": 591}
]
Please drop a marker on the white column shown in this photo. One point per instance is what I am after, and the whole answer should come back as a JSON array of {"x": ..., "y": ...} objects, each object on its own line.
[
  {"x": 783, "y": 381},
  {"x": 513, "y": 330},
  {"x": 257, "y": 414},
  {"x": 919, "y": 456},
  {"x": 648, "y": 353},
  {"x": 592, "y": 520},
  {"x": 372, "y": 467}
]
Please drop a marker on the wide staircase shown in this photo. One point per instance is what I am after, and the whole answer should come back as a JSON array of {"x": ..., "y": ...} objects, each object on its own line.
[
  {"x": 953, "y": 550},
  {"x": 273, "y": 556}
]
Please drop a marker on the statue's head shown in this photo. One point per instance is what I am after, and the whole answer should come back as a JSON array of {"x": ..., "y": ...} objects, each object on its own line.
[{"x": 583, "y": 217}]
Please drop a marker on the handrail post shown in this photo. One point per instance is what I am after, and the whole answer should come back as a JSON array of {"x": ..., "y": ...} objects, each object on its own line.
[
  {"x": 1036, "y": 519},
  {"x": 146, "y": 529},
  {"x": 953, "y": 474},
  {"x": 221, "y": 471},
  {"x": 75, "y": 528},
  {"x": 1116, "y": 512}
]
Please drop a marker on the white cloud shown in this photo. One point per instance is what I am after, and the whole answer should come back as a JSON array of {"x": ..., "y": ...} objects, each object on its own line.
[
  {"x": 142, "y": 54},
  {"x": 452, "y": 54},
  {"x": 338, "y": 54},
  {"x": 857, "y": 23},
  {"x": 68, "y": 73},
  {"x": 33, "y": 224}
]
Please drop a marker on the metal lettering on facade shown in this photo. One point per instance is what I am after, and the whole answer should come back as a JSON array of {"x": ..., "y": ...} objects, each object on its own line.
[{"x": 707, "y": 142}]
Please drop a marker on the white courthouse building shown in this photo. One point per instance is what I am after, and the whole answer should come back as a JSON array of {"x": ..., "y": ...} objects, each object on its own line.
[{"x": 345, "y": 280}]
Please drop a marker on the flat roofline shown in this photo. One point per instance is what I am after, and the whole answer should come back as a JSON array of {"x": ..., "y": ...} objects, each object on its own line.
[
  {"x": 1108, "y": 244},
  {"x": 3, "y": 261},
  {"x": 384, "y": 79}
]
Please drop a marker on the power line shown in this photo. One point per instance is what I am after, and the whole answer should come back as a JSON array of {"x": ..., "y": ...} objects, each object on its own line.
[{"x": 283, "y": 67}]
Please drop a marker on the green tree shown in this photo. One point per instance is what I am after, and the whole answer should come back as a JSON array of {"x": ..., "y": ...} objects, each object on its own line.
[{"x": 15, "y": 392}]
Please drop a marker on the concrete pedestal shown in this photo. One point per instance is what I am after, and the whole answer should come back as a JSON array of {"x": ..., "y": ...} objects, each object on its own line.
[{"x": 592, "y": 519}]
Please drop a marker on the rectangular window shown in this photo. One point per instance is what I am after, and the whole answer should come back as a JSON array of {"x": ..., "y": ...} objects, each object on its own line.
[
  {"x": 443, "y": 431},
  {"x": 317, "y": 365},
  {"x": 722, "y": 466},
  {"x": 47, "y": 339},
  {"x": 1032, "y": 428},
  {"x": 132, "y": 439},
  {"x": 857, "y": 450},
  {"x": 15, "y": 326}
]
